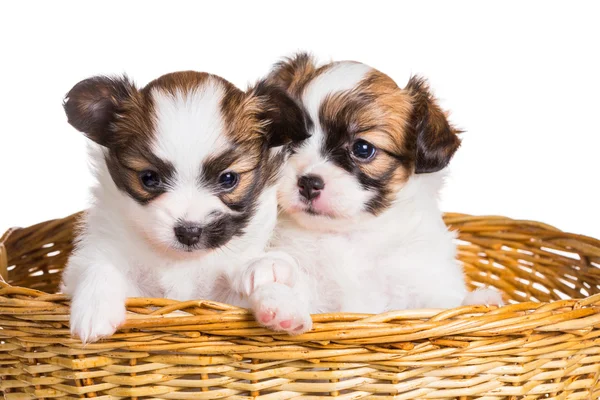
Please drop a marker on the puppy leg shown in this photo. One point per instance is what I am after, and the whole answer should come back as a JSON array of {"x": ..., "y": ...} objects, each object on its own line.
[
  {"x": 98, "y": 291},
  {"x": 277, "y": 292}
]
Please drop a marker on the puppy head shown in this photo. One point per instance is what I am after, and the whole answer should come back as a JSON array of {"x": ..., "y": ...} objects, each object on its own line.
[
  {"x": 190, "y": 153},
  {"x": 368, "y": 137}
]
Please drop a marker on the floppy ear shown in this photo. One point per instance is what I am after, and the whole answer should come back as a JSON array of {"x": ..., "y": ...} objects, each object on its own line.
[
  {"x": 292, "y": 73},
  {"x": 437, "y": 140},
  {"x": 92, "y": 105},
  {"x": 285, "y": 121}
]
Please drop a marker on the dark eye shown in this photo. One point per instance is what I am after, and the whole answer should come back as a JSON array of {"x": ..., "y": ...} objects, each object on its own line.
[
  {"x": 150, "y": 179},
  {"x": 363, "y": 150},
  {"x": 228, "y": 180}
]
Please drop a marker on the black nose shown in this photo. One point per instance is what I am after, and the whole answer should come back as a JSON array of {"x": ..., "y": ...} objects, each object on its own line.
[
  {"x": 188, "y": 234},
  {"x": 310, "y": 186}
]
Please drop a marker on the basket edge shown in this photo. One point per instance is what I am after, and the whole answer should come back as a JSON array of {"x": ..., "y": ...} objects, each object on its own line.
[{"x": 4, "y": 255}]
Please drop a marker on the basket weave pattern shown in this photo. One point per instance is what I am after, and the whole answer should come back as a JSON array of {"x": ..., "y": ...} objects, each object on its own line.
[{"x": 544, "y": 345}]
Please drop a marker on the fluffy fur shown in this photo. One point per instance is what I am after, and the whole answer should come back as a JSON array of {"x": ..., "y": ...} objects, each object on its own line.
[
  {"x": 368, "y": 236},
  {"x": 186, "y": 171}
]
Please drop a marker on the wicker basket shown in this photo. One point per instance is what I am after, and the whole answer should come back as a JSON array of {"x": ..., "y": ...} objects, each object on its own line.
[{"x": 541, "y": 346}]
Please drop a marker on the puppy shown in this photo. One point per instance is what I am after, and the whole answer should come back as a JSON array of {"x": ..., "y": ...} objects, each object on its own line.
[
  {"x": 360, "y": 229},
  {"x": 186, "y": 168}
]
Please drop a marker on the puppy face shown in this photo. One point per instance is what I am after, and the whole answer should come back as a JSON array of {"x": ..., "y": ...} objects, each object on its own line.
[
  {"x": 189, "y": 152},
  {"x": 367, "y": 138}
]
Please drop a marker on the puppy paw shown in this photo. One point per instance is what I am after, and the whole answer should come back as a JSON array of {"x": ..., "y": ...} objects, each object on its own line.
[
  {"x": 276, "y": 307},
  {"x": 95, "y": 318},
  {"x": 484, "y": 296},
  {"x": 267, "y": 270}
]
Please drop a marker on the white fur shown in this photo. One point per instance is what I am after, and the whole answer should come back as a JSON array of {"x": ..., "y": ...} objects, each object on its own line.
[
  {"x": 189, "y": 127},
  {"x": 343, "y": 198},
  {"x": 483, "y": 296},
  {"x": 402, "y": 259},
  {"x": 340, "y": 77},
  {"x": 129, "y": 250}
]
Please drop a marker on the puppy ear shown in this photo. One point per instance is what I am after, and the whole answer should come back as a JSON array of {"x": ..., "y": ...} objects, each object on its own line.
[
  {"x": 285, "y": 121},
  {"x": 292, "y": 73},
  {"x": 92, "y": 105},
  {"x": 437, "y": 140}
]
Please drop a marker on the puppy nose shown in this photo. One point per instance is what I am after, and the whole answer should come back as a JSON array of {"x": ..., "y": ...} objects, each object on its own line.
[
  {"x": 188, "y": 233},
  {"x": 310, "y": 186}
]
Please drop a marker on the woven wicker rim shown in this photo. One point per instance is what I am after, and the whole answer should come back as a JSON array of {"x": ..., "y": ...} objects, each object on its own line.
[{"x": 549, "y": 348}]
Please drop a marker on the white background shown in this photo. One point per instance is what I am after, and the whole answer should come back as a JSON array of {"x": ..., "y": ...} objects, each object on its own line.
[{"x": 522, "y": 78}]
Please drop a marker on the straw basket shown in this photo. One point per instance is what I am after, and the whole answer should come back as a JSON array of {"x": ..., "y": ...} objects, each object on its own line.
[{"x": 542, "y": 346}]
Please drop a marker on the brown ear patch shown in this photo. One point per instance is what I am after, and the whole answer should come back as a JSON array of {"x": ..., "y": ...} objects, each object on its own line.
[
  {"x": 92, "y": 106},
  {"x": 293, "y": 73},
  {"x": 241, "y": 113},
  {"x": 285, "y": 122},
  {"x": 437, "y": 140}
]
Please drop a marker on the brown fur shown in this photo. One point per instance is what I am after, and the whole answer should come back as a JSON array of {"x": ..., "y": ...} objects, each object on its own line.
[
  {"x": 437, "y": 140},
  {"x": 376, "y": 111},
  {"x": 241, "y": 112},
  {"x": 182, "y": 82},
  {"x": 293, "y": 73}
]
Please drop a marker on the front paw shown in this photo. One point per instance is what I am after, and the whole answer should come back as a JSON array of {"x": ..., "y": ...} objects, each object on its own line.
[
  {"x": 276, "y": 307},
  {"x": 267, "y": 270},
  {"x": 95, "y": 318}
]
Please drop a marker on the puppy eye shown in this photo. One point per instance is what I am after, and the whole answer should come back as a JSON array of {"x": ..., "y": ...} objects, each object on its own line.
[
  {"x": 150, "y": 179},
  {"x": 228, "y": 180},
  {"x": 363, "y": 150}
]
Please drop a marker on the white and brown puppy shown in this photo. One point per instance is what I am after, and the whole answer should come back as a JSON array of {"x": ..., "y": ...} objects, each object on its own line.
[
  {"x": 186, "y": 168},
  {"x": 360, "y": 229}
]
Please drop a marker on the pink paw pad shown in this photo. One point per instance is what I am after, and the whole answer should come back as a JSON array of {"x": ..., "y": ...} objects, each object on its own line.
[
  {"x": 286, "y": 324},
  {"x": 266, "y": 316}
]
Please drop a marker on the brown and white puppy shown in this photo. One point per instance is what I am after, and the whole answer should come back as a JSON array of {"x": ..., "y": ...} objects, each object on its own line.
[
  {"x": 186, "y": 170},
  {"x": 360, "y": 229}
]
